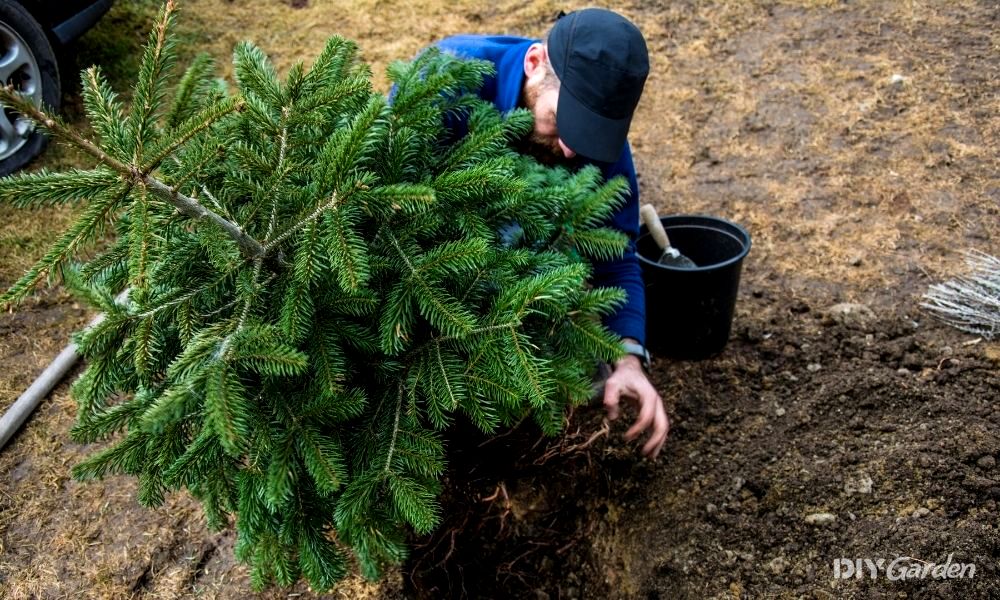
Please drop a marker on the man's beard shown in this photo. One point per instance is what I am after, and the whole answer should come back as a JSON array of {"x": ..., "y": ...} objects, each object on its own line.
[
  {"x": 544, "y": 149},
  {"x": 541, "y": 149}
]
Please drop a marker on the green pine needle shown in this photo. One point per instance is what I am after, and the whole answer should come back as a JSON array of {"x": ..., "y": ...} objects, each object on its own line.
[{"x": 318, "y": 288}]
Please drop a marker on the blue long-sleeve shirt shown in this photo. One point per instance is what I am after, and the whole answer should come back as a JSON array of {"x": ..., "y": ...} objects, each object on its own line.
[{"x": 504, "y": 91}]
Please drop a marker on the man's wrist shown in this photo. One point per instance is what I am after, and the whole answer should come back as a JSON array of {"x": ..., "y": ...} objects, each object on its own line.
[
  {"x": 629, "y": 360},
  {"x": 636, "y": 352}
]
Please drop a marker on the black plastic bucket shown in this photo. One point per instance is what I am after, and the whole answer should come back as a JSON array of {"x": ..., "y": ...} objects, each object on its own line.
[{"x": 689, "y": 312}]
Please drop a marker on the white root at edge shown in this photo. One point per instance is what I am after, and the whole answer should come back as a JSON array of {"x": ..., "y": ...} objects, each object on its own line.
[{"x": 970, "y": 303}]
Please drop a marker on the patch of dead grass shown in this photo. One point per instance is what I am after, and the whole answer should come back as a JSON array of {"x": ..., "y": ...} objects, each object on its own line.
[{"x": 861, "y": 171}]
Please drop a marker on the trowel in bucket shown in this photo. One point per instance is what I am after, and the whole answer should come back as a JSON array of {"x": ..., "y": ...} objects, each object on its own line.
[{"x": 671, "y": 256}]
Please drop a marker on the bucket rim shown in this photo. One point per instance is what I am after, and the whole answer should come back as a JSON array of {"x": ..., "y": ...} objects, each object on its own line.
[{"x": 746, "y": 241}]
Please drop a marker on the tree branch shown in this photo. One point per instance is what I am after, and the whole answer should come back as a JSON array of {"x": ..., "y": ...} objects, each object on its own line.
[{"x": 187, "y": 205}]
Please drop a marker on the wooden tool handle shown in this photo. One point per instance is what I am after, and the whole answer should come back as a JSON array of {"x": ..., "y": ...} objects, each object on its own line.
[{"x": 648, "y": 216}]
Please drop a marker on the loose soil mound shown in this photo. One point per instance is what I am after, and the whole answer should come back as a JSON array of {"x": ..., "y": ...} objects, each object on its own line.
[{"x": 891, "y": 427}]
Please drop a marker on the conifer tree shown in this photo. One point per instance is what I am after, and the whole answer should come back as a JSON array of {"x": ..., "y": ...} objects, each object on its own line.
[{"x": 318, "y": 286}]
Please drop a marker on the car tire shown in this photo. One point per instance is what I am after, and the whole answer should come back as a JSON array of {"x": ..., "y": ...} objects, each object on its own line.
[{"x": 27, "y": 62}]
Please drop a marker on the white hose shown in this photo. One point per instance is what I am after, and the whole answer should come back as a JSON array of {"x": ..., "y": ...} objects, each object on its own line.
[{"x": 26, "y": 404}]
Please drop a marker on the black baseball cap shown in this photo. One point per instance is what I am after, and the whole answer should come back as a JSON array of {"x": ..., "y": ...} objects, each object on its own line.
[{"x": 602, "y": 62}]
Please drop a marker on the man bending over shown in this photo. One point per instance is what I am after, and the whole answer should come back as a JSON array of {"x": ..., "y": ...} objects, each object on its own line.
[{"x": 582, "y": 84}]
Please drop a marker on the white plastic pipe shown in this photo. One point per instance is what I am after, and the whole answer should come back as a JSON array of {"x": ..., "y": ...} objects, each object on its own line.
[{"x": 26, "y": 404}]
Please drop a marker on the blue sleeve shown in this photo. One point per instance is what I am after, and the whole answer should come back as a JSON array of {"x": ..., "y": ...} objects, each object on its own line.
[{"x": 624, "y": 272}]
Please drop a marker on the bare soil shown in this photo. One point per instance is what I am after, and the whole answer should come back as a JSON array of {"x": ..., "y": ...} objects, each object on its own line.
[{"x": 858, "y": 142}]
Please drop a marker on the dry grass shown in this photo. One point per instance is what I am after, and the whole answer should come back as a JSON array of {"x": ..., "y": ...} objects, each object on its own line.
[
  {"x": 385, "y": 30},
  {"x": 852, "y": 157},
  {"x": 784, "y": 116}
]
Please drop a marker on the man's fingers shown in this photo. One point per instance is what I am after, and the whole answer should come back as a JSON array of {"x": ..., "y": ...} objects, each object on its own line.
[
  {"x": 661, "y": 428},
  {"x": 652, "y": 415},
  {"x": 647, "y": 411},
  {"x": 612, "y": 391}
]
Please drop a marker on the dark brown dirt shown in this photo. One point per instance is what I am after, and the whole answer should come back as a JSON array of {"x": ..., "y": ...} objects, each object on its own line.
[
  {"x": 858, "y": 142},
  {"x": 793, "y": 419}
]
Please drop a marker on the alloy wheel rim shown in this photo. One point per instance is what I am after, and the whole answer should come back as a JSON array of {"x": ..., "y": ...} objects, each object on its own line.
[{"x": 19, "y": 69}]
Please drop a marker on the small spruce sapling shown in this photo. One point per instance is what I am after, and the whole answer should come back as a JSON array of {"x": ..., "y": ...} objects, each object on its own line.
[{"x": 317, "y": 287}]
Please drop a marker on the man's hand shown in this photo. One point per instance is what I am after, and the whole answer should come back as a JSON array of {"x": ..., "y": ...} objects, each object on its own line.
[{"x": 629, "y": 381}]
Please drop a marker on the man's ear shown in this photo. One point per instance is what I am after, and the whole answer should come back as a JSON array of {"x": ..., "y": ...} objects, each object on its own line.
[{"x": 535, "y": 61}]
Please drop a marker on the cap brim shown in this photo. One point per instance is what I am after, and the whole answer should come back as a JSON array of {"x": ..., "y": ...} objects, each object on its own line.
[{"x": 587, "y": 133}]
